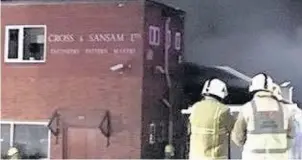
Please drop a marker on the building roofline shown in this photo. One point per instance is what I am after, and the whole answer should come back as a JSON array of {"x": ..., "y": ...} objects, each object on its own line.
[
  {"x": 175, "y": 9},
  {"x": 66, "y": 2},
  {"x": 63, "y": 2}
]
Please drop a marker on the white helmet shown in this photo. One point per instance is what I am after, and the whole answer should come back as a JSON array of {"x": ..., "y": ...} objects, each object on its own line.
[
  {"x": 277, "y": 91},
  {"x": 261, "y": 82},
  {"x": 12, "y": 151},
  {"x": 215, "y": 87}
]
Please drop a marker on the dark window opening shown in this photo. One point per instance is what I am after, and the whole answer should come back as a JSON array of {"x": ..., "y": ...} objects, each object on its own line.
[
  {"x": 13, "y": 43},
  {"x": 157, "y": 36}
]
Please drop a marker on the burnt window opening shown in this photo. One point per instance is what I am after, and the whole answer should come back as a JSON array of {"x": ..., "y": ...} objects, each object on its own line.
[
  {"x": 152, "y": 133},
  {"x": 25, "y": 43},
  {"x": 162, "y": 132},
  {"x": 180, "y": 59},
  {"x": 150, "y": 55},
  {"x": 154, "y": 35},
  {"x": 177, "y": 42},
  {"x": 157, "y": 36}
]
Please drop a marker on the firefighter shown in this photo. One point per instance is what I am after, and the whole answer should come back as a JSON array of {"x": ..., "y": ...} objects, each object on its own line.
[
  {"x": 13, "y": 153},
  {"x": 169, "y": 151},
  {"x": 277, "y": 92},
  {"x": 296, "y": 151},
  {"x": 296, "y": 147},
  {"x": 210, "y": 123},
  {"x": 264, "y": 125}
]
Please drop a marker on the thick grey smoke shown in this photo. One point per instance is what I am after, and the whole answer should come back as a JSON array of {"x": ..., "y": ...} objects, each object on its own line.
[{"x": 250, "y": 36}]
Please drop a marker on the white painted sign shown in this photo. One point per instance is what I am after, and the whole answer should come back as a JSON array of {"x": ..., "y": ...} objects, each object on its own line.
[
  {"x": 94, "y": 37},
  {"x": 95, "y": 51},
  {"x": 61, "y": 38}
]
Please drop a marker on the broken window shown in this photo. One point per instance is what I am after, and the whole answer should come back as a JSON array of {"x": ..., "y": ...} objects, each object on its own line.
[{"x": 25, "y": 44}]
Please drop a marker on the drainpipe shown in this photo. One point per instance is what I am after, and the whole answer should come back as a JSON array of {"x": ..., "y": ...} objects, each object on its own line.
[{"x": 169, "y": 149}]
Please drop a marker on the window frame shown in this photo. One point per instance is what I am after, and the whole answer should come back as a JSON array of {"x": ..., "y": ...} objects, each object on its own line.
[
  {"x": 39, "y": 123},
  {"x": 177, "y": 41},
  {"x": 154, "y": 35},
  {"x": 21, "y": 44},
  {"x": 152, "y": 133}
]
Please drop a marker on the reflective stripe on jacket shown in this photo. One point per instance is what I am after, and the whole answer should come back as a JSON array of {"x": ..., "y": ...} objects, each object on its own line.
[
  {"x": 262, "y": 128},
  {"x": 268, "y": 133},
  {"x": 210, "y": 123},
  {"x": 296, "y": 150},
  {"x": 15, "y": 156}
]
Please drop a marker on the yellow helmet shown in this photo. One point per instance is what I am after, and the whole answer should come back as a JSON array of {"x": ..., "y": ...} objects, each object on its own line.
[{"x": 12, "y": 151}]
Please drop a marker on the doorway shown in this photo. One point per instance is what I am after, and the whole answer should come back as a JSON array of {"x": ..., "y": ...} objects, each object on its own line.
[{"x": 85, "y": 143}]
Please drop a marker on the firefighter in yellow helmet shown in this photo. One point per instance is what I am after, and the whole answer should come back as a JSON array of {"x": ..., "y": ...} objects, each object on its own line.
[
  {"x": 264, "y": 125},
  {"x": 13, "y": 153},
  {"x": 210, "y": 122}
]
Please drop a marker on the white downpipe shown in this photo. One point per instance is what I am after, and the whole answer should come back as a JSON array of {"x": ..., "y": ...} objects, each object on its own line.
[{"x": 167, "y": 47}]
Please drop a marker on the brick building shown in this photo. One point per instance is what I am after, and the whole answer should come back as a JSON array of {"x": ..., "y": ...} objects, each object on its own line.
[{"x": 95, "y": 70}]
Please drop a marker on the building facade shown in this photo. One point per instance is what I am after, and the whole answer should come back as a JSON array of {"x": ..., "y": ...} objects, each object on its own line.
[{"x": 86, "y": 79}]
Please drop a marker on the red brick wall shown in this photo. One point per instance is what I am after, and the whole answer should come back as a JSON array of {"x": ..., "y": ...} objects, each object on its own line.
[{"x": 32, "y": 92}]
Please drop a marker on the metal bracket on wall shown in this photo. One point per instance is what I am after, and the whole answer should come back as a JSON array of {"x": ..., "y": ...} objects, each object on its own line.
[
  {"x": 54, "y": 125},
  {"x": 105, "y": 127}
]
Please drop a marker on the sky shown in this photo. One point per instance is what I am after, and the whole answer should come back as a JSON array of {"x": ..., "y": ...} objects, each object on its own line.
[{"x": 249, "y": 36}]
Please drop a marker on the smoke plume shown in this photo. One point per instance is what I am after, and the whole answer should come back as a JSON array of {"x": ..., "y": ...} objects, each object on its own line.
[{"x": 250, "y": 36}]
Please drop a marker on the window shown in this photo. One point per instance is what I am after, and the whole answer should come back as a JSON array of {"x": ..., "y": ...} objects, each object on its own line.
[
  {"x": 32, "y": 139},
  {"x": 152, "y": 133},
  {"x": 177, "y": 41},
  {"x": 162, "y": 132},
  {"x": 180, "y": 59},
  {"x": 5, "y": 139},
  {"x": 25, "y": 43},
  {"x": 154, "y": 35},
  {"x": 149, "y": 55}
]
